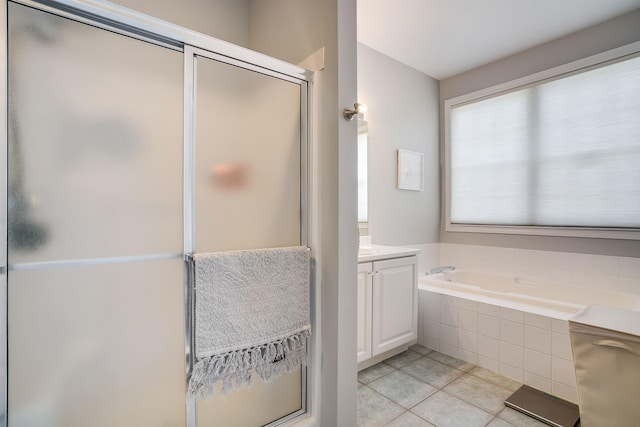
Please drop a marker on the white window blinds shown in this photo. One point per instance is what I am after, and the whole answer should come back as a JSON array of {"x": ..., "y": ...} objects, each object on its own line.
[{"x": 560, "y": 153}]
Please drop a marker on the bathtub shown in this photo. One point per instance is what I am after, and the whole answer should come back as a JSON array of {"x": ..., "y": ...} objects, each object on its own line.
[
  {"x": 512, "y": 325},
  {"x": 526, "y": 294}
]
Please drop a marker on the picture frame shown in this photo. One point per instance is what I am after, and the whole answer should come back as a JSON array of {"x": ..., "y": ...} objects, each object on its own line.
[{"x": 410, "y": 170}]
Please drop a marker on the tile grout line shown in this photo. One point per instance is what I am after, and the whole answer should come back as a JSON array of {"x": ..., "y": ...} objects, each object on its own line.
[
  {"x": 417, "y": 379},
  {"x": 494, "y": 416},
  {"x": 433, "y": 385}
]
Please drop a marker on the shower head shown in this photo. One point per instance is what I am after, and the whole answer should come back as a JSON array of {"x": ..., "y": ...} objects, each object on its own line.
[{"x": 26, "y": 234}]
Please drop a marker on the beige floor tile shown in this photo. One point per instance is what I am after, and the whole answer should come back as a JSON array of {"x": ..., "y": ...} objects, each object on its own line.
[
  {"x": 480, "y": 393},
  {"x": 451, "y": 361},
  {"x": 519, "y": 419},
  {"x": 374, "y": 372},
  {"x": 402, "y": 388},
  {"x": 469, "y": 396},
  {"x": 420, "y": 349},
  {"x": 374, "y": 409},
  {"x": 444, "y": 410},
  {"x": 432, "y": 372},
  {"x": 498, "y": 422},
  {"x": 409, "y": 420},
  {"x": 403, "y": 359}
]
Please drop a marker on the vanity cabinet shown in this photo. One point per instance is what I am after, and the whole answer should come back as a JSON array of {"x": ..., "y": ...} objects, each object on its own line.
[
  {"x": 387, "y": 305},
  {"x": 365, "y": 279}
]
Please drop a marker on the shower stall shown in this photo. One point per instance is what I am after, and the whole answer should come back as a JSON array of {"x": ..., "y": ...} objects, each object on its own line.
[{"x": 131, "y": 142}]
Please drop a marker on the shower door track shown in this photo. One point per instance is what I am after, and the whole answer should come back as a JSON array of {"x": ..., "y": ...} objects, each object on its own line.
[
  {"x": 153, "y": 30},
  {"x": 133, "y": 24}
]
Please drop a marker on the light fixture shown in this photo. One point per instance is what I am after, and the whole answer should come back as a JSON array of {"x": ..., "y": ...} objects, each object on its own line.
[{"x": 357, "y": 109}]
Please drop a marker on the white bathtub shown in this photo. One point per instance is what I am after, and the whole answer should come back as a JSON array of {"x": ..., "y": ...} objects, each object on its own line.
[
  {"x": 514, "y": 326},
  {"x": 554, "y": 300}
]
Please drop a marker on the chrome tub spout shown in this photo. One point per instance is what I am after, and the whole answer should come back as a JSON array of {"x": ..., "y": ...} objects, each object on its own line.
[{"x": 437, "y": 270}]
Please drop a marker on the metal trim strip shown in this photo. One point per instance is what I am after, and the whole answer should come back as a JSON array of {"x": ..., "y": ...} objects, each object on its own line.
[
  {"x": 4, "y": 286},
  {"x": 92, "y": 261}
]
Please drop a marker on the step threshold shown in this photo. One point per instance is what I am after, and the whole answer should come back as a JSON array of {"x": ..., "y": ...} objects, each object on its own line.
[{"x": 544, "y": 407}]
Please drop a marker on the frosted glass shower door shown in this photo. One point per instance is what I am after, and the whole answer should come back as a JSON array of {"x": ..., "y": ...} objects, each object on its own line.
[
  {"x": 248, "y": 194},
  {"x": 96, "y": 288},
  {"x": 248, "y": 169}
]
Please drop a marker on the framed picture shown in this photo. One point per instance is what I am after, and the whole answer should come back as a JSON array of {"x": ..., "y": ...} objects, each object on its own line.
[{"x": 410, "y": 170}]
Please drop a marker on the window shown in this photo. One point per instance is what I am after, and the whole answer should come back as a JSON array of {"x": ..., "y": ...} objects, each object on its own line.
[{"x": 555, "y": 153}]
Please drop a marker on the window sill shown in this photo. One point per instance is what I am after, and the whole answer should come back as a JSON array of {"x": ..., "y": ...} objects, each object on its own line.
[{"x": 593, "y": 233}]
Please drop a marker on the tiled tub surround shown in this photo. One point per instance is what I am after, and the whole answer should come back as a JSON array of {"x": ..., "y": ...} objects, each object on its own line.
[
  {"x": 526, "y": 347},
  {"x": 529, "y": 348}
]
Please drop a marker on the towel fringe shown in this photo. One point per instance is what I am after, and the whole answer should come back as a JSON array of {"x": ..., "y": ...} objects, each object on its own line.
[{"x": 233, "y": 369}]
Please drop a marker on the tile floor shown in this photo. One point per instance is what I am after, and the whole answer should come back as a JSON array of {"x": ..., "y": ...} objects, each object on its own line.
[{"x": 422, "y": 388}]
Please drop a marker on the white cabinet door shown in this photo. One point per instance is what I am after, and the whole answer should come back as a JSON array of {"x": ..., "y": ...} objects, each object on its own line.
[
  {"x": 395, "y": 303},
  {"x": 364, "y": 311}
]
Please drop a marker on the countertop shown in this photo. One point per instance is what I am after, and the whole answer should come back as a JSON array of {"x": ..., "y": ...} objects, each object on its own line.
[{"x": 369, "y": 253}]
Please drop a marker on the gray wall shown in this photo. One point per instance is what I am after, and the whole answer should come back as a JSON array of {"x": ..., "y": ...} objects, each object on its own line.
[
  {"x": 292, "y": 30},
  {"x": 608, "y": 35},
  {"x": 402, "y": 113}
]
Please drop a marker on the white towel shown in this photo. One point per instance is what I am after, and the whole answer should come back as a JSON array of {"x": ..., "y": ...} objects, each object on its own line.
[{"x": 251, "y": 312}]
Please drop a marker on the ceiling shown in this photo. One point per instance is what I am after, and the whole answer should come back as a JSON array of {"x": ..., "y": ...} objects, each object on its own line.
[{"x": 443, "y": 38}]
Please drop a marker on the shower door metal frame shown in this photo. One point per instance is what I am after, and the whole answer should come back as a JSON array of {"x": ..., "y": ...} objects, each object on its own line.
[
  {"x": 191, "y": 54},
  {"x": 4, "y": 356},
  {"x": 134, "y": 24}
]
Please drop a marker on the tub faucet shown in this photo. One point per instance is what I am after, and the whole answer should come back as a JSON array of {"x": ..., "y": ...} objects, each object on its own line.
[{"x": 437, "y": 270}]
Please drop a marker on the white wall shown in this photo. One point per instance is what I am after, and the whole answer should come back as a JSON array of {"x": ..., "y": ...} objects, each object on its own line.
[
  {"x": 224, "y": 19},
  {"x": 608, "y": 35},
  {"x": 402, "y": 114},
  {"x": 292, "y": 30}
]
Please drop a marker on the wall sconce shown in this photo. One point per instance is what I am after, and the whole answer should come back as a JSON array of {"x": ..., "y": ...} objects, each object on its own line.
[{"x": 357, "y": 109}]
